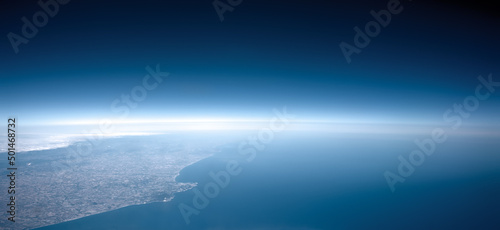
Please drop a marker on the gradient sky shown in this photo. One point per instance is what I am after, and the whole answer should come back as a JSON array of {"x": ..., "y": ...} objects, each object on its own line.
[{"x": 264, "y": 55}]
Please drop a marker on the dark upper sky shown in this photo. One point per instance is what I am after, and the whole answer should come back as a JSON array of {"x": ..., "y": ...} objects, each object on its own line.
[{"x": 264, "y": 54}]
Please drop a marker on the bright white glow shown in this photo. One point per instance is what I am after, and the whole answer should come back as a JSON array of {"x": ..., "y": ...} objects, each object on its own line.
[
  {"x": 158, "y": 121},
  {"x": 159, "y": 126}
]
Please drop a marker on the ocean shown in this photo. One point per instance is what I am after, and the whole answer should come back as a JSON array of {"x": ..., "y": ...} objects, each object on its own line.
[{"x": 329, "y": 181}]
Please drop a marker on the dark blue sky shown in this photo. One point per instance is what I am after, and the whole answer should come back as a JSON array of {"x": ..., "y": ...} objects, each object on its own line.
[{"x": 264, "y": 54}]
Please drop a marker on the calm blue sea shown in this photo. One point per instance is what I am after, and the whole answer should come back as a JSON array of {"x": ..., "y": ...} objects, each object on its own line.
[{"x": 326, "y": 181}]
